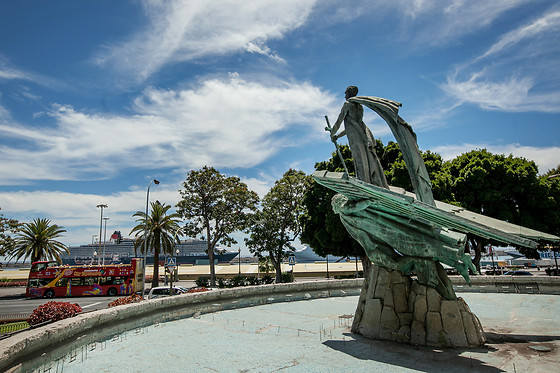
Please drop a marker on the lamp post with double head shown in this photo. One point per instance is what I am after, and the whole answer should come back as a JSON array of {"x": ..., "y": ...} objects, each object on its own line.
[
  {"x": 102, "y": 206},
  {"x": 146, "y": 237}
]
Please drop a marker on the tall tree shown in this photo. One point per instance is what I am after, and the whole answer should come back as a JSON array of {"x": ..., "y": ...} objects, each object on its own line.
[
  {"x": 37, "y": 240},
  {"x": 502, "y": 187},
  {"x": 322, "y": 229},
  {"x": 162, "y": 228},
  {"x": 278, "y": 224},
  {"x": 215, "y": 206},
  {"x": 7, "y": 228}
]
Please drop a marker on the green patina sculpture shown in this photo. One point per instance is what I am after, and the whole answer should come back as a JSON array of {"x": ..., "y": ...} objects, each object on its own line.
[
  {"x": 412, "y": 247},
  {"x": 399, "y": 232}
]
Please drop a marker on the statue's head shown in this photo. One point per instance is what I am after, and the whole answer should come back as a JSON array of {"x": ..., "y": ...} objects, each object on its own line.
[
  {"x": 351, "y": 91},
  {"x": 337, "y": 202}
]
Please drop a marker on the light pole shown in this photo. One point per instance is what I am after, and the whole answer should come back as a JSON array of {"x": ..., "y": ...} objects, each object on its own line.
[
  {"x": 172, "y": 273},
  {"x": 239, "y": 258},
  {"x": 554, "y": 252},
  {"x": 146, "y": 236},
  {"x": 104, "y": 239},
  {"x": 102, "y": 206}
]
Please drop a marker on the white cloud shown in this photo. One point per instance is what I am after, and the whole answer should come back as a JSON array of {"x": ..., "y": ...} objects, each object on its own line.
[
  {"x": 546, "y": 158},
  {"x": 517, "y": 73},
  {"x": 181, "y": 31},
  {"x": 78, "y": 213},
  {"x": 223, "y": 122}
]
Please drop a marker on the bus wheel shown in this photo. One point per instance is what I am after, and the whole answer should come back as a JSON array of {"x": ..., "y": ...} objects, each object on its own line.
[
  {"x": 49, "y": 294},
  {"x": 112, "y": 291}
]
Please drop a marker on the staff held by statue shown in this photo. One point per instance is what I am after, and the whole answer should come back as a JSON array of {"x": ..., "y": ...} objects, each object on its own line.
[{"x": 329, "y": 129}]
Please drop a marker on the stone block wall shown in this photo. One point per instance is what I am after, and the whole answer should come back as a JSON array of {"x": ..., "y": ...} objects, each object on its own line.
[{"x": 396, "y": 308}]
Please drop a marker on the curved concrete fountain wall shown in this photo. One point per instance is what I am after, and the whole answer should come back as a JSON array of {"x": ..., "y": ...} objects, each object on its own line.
[{"x": 34, "y": 343}]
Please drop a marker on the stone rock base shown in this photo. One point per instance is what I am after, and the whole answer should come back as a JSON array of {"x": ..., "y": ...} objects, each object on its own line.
[{"x": 396, "y": 308}]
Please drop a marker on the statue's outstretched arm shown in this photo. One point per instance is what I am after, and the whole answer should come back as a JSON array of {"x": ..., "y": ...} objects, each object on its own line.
[{"x": 339, "y": 120}]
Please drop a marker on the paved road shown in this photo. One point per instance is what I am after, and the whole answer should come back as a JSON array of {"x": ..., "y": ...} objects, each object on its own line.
[
  {"x": 13, "y": 301},
  {"x": 15, "y": 306}
]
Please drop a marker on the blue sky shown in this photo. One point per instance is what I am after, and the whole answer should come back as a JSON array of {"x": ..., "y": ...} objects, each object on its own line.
[{"x": 98, "y": 97}]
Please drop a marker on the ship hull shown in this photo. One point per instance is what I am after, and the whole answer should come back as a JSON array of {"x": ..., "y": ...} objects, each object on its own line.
[{"x": 185, "y": 260}]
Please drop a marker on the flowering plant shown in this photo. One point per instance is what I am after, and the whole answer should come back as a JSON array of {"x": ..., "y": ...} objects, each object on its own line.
[{"x": 53, "y": 311}]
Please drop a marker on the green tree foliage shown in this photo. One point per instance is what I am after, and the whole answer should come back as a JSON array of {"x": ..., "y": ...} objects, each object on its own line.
[
  {"x": 7, "y": 228},
  {"x": 215, "y": 206},
  {"x": 278, "y": 223},
  {"x": 322, "y": 229},
  {"x": 37, "y": 241},
  {"x": 397, "y": 174},
  {"x": 503, "y": 187},
  {"x": 162, "y": 229},
  {"x": 551, "y": 180}
]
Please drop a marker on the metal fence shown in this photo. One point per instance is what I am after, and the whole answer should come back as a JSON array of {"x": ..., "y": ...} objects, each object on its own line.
[{"x": 13, "y": 327}]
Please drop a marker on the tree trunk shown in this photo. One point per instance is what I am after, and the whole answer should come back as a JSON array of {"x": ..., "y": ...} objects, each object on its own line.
[
  {"x": 211, "y": 259},
  {"x": 477, "y": 246},
  {"x": 278, "y": 268},
  {"x": 155, "y": 277},
  {"x": 210, "y": 256}
]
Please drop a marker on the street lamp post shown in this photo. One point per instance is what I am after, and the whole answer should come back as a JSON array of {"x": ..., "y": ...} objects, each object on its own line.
[
  {"x": 177, "y": 263},
  {"x": 104, "y": 239},
  {"x": 239, "y": 258},
  {"x": 102, "y": 206},
  {"x": 146, "y": 237},
  {"x": 556, "y": 272}
]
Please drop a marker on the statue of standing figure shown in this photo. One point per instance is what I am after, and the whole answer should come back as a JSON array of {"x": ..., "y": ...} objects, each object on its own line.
[
  {"x": 361, "y": 141},
  {"x": 389, "y": 240}
]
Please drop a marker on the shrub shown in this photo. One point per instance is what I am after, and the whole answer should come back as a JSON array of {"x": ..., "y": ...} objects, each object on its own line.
[
  {"x": 5, "y": 282},
  {"x": 125, "y": 300},
  {"x": 222, "y": 283},
  {"x": 202, "y": 281},
  {"x": 53, "y": 311},
  {"x": 287, "y": 277},
  {"x": 267, "y": 279}
]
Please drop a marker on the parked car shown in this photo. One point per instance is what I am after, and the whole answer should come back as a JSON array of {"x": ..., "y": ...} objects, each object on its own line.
[
  {"x": 163, "y": 291},
  {"x": 518, "y": 273},
  {"x": 494, "y": 271}
]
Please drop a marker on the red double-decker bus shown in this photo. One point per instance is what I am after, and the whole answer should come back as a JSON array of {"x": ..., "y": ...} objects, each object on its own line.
[{"x": 47, "y": 279}]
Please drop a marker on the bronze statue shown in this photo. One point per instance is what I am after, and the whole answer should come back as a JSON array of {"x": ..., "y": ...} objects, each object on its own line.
[{"x": 361, "y": 141}]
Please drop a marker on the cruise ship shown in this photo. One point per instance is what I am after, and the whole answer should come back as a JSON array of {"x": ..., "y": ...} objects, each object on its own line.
[{"x": 121, "y": 250}]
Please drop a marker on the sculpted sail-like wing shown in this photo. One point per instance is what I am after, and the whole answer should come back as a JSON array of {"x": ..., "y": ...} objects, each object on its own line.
[{"x": 406, "y": 138}]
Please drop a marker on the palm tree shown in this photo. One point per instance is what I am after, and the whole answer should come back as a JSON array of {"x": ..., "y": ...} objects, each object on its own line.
[
  {"x": 161, "y": 231},
  {"x": 36, "y": 240}
]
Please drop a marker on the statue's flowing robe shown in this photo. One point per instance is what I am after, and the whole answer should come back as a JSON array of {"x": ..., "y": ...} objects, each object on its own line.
[
  {"x": 406, "y": 138},
  {"x": 361, "y": 141}
]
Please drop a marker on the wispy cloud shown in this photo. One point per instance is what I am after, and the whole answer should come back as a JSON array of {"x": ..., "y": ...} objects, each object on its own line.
[
  {"x": 546, "y": 158},
  {"x": 517, "y": 72},
  {"x": 9, "y": 72},
  {"x": 422, "y": 23},
  {"x": 442, "y": 22},
  {"x": 225, "y": 122},
  {"x": 180, "y": 31}
]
